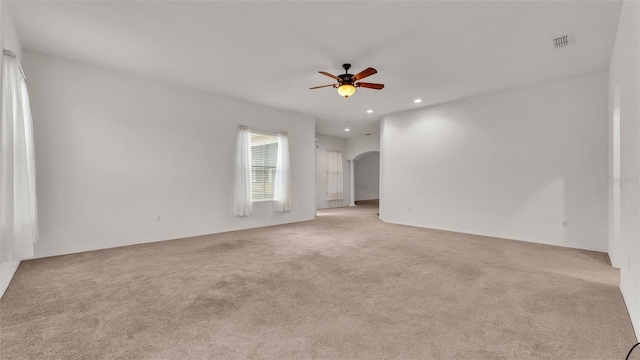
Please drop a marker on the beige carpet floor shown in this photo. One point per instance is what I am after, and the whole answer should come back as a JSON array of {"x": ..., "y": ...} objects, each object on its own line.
[{"x": 344, "y": 286}]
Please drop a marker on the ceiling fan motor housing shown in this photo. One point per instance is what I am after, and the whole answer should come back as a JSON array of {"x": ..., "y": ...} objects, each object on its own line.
[{"x": 346, "y": 79}]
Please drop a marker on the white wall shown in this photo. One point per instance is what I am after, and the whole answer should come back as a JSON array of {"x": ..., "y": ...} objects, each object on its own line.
[
  {"x": 367, "y": 176},
  {"x": 624, "y": 76},
  {"x": 362, "y": 144},
  {"x": 8, "y": 40},
  {"x": 113, "y": 151},
  {"x": 324, "y": 143},
  {"x": 513, "y": 164}
]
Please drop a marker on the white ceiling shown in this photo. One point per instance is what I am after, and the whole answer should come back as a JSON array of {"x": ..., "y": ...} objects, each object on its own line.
[{"x": 270, "y": 52}]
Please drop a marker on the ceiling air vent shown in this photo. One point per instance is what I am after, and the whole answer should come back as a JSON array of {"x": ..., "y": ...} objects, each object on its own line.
[{"x": 562, "y": 41}]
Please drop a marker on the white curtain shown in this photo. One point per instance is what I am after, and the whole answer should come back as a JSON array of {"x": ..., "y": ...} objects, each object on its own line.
[
  {"x": 18, "y": 210},
  {"x": 334, "y": 175},
  {"x": 282, "y": 190},
  {"x": 242, "y": 200}
]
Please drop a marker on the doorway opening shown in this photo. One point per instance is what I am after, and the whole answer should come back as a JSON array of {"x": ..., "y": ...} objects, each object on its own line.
[
  {"x": 615, "y": 250},
  {"x": 366, "y": 179}
]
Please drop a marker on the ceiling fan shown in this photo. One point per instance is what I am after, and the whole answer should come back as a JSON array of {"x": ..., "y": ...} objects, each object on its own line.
[{"x": 347, "y": 83}]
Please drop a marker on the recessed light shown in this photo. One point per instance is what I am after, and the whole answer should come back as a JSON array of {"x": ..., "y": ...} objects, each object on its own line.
[
  {"x": 417, "y": 101},
  {"x": 347, "y": 129},
  {"x": 369, "y": 111}
]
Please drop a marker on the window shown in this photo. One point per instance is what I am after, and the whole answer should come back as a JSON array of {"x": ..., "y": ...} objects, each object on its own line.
[
  {"x": 18, "y": 204},
  {"x": 334, "y": 175},
  {"x": 264, "y": 158},
  {"x": 262, "y": 171}
]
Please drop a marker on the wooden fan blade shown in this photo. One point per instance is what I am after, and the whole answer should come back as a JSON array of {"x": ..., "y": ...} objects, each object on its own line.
[
  {"x": 318, "y": 87},
  {"x": 370, "y": 85},
  {"x": 329, "y": 75},
  {"x": 364, "y": 73}
]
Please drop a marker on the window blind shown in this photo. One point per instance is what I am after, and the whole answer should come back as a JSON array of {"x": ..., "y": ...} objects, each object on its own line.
[{"x": 264, "y": 158}]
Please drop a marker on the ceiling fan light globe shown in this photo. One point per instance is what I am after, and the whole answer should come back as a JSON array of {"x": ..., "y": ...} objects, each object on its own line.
[{"x": 346, "y": 90}]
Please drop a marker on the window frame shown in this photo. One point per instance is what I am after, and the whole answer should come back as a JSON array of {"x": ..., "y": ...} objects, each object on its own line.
[{"x": 274, "y": 167}]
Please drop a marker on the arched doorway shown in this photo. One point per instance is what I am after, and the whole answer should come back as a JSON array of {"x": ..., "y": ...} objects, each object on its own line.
[{"x": 365, "y": 177}]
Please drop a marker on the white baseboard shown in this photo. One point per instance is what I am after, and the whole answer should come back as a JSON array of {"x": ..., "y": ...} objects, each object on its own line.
[
  {"x": 148, "y": 241},
  {"x": 8, "y": 270},
  {"x": 500, "y": 236},
  {"x": 634, "y": 324},
  {"x": 110, "y": 246}
]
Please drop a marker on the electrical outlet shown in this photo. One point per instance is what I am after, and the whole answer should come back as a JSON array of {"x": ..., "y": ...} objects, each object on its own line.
[
  {"x": 629, "y": 263},
  {"x": 409, "y": 209},
  {"x": 158, "y": 217},
  {"x": 565, "y": 223}
]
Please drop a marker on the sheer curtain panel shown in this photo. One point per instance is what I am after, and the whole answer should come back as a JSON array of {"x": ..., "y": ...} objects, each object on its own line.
[
  {"x": 282, "y": 191},
  {"x": 18, "y": 210},
  {"x": 334, "y": 175},
  {"x": 242, "y": 199}
]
